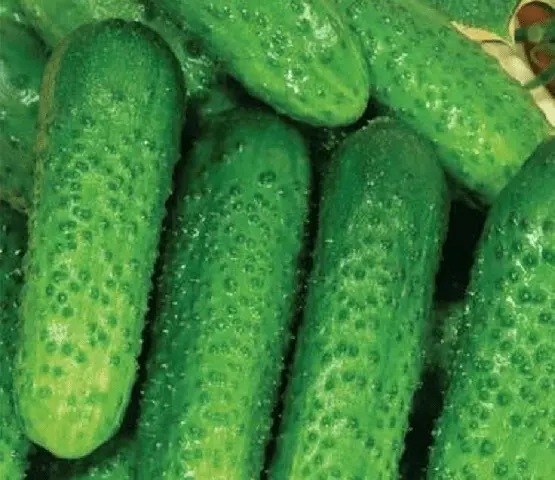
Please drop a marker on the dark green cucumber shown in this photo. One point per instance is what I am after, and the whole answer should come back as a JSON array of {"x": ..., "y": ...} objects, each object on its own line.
[
  {"x": 499, "y": 416},
  {"x": 22, "y": 60},
  {"x": 13, "y": 239},
  {"x": 359, "y": 353},
  {"x": 225, "y": 301},
  {"x": 55, "y": 19},
  {"x": 106, "y": 148},
  {"x": 484, "y": 124},
  {"x": 296, "y": 55}
]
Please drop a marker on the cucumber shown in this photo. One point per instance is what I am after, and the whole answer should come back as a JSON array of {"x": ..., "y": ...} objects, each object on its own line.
[
  {"x": 114, "y": 460},
  {"x": 499, "y": 415},
  {"x": 491, "y": 15},
  {"x": 448, "y": 89},
  {"x": 106, "y": 148},
  {"x": 359, "y": 353},
  {"x": 55, "y": 19},
  {"x": 13, "y": 239},
  {"x": 22, "y": 60},
  {"x": 225, "y": 301},
  {"x": 298, "y": 56}
]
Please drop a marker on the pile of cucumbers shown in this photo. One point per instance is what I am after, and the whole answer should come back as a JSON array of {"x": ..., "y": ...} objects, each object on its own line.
[{"x": 224, "y": 227}]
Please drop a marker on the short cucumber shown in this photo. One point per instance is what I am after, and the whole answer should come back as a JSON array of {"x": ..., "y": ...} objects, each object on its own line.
[
  {"x": 359, "y": 352},
  {"x": 298, "y": 56},
  {"x": 491, "y": 15},
  {"x": 13, "y": 239},
  {"x": 23, "y": 57},
  {"x": 225, "y": 301},
  {"x": 447, "y": 88},
  {"x": 499, "y": 416},
  {"x": 55, "y": 19},
  {"x": 106, "y": 148}
]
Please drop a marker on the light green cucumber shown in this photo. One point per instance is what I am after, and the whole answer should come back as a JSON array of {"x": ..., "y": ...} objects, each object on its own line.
[
  {"x": 491, "y": 15},
  {"x": 55, "y": 19},
  {"x": 359, "y": 356},
  {"x": 297, "y": 56},
  {"x": 225, "y": 301},
  {"x": 499, "y": 414},
  {"x": 13, "y": 238},
  {"x": 106, "y": 148},
  {"x": 115, "y": 460},
  {"x": 483, "y": 123},
  {"x": 22, "y": 60}
]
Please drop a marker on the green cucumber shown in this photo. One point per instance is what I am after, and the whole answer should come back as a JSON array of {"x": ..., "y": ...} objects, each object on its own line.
[
  {"x": 22, "y": 60},
  {"x": 359, "y": 352},
  {"x": 114, "y": 460},
  {"x": 298, "y": 56},
  {"x": 499, "y": 415},
  {"x": 225, "y": 301},
  {"x": 106, "y": 148},
  {"x": 491, "y": 15},
  {"x": 13, "y": 239},
  {"x": 450, "y": 90},
  {"x": 55, "y": 19}
]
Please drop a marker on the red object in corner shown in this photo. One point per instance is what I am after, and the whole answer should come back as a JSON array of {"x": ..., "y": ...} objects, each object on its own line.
[{"x": 529, "y": 15}]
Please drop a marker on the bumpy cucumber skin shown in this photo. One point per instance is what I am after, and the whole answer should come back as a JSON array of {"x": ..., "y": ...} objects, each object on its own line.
[
  {"x": 491, "y": 15},
  {"x": 225, "y": 301},
  {"x": 359, "y": 351},
  {"x": 485, "y": 124},
  {"x": 296, "y": 55},
  {"x": 13, "y": 239},
  {"x": 106, "y": 147},
  {"x": 22, "y": 61},
  {"x": 499, "y": 418}
]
